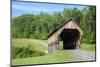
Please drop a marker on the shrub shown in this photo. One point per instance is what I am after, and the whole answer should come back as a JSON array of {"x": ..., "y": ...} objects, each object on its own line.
[{"x": 26, "y": 51}]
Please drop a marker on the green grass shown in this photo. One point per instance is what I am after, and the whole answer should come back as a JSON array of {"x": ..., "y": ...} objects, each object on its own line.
[
  {"x": 88, "y": 47},
  {"x": 34, "y": 43},
  {"x": 26, "y": 51},
  {"x": 56, "y": 57}
]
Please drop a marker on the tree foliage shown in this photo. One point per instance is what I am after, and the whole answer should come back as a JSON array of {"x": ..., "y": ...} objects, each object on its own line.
[{"x": 40, "y": 25}]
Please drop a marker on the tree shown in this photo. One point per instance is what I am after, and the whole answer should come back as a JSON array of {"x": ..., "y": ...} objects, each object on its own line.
[{"x": 40, "y": 25}]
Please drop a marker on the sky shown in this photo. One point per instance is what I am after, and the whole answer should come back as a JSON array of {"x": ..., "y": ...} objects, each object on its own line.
[{"x": 20, "y": 8}]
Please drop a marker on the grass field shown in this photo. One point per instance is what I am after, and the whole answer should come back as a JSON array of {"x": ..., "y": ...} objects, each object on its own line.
[
  {"x": 56, "y": 57},
  {"x": 41, "y": 45},
  {"x": 88, "y": 47},
  {"x": 34, "y": 43}
]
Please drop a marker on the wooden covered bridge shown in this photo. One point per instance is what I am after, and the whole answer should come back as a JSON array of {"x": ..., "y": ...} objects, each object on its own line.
[{"x": 71, "y": 34}]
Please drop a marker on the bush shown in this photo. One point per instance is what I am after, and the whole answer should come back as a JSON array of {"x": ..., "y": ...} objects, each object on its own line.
[
  {"x": 26, "y": 51},
  {"x": 43, "y": 36}
]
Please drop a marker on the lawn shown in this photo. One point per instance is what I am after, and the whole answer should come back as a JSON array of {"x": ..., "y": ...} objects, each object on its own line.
[
  {"x": 88, "y": 47},
  {"x": 33, "y": 42},
  {"x": 56, "y": 57},
  {"x": 41, "y": 45}
]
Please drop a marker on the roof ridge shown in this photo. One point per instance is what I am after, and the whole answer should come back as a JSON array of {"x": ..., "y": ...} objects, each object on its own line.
[{"x": 65, "y": 22}]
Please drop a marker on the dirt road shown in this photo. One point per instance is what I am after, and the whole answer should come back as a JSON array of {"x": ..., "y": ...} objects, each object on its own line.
[{"x": 82, "y": 55}]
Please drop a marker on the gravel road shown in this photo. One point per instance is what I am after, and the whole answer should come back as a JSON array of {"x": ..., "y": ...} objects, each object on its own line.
[{"x": 82, "y": 55}]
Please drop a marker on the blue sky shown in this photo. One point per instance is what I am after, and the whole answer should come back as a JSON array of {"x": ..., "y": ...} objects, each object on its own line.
[{"x": 19, "y": 8}]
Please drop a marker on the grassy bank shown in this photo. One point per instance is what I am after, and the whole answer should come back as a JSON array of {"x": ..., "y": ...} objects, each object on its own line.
[
  {"x": 40, "y": 45},
  {"x": 56, "y": 57},
  {"x": 26, "y": 51},
  {"x": 88, "y": 47},
  {"x": 34, "y": 43}
]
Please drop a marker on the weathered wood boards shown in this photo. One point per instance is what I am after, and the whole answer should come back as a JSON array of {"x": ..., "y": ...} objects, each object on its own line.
[{"x": 70, "y": 32}]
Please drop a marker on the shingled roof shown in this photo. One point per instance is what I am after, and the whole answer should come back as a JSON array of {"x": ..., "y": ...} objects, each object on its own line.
[{"x": 65, "y": 22}]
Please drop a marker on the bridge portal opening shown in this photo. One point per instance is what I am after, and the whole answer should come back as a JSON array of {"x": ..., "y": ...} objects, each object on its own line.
[{"x": 70, "y": 38}]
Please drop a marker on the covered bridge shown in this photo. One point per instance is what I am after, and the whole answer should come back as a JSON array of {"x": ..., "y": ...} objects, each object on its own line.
[{"x": 71, "y": 34}]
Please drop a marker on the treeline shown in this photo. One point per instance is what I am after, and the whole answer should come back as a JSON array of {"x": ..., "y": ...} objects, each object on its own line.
[{"x": 40, "y": 25}]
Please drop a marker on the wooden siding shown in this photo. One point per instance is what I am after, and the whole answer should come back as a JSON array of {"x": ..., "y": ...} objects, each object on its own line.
[
  {"x": 71, "y": 25},
  {"x": 54, "y": 38}
]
